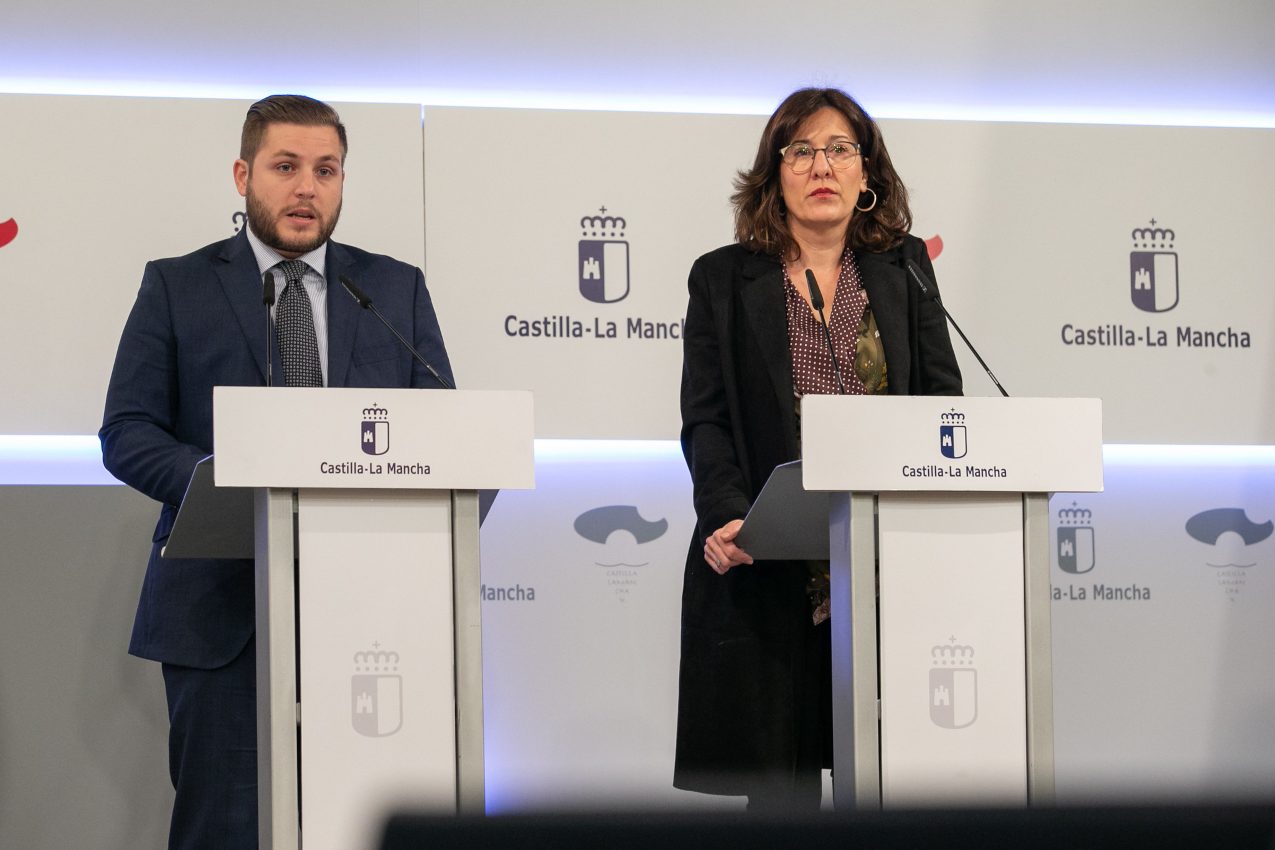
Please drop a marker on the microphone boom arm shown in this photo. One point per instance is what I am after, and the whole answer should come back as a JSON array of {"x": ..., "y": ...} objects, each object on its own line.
[{"x": 366, "y": 303}]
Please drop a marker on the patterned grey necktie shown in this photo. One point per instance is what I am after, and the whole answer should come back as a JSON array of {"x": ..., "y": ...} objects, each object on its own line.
[{"x": 294, "y": 322}]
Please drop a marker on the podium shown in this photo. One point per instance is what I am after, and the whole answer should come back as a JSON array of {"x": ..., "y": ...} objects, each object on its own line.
[
  {"x": 369, "y": 661},
  {"x": 938, "y": 547}
]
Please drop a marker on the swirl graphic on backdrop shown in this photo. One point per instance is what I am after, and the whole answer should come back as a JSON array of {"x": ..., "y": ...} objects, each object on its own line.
[
  {"x": 8, "y": 232},
  {"x": 621, "y": 558},
  {"x": 1213, "y": 525},
  {"x": 1229, "y": 533},
  {"x": 600, "y": 523}
]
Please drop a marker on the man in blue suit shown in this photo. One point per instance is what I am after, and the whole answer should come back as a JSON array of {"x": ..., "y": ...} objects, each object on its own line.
[{"x": 199, "y": 322}]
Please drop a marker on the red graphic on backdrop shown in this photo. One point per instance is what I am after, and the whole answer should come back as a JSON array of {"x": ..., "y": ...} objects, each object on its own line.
[
  {"x": 934, "y": 246},
  {"x": 8, "y": 231}
]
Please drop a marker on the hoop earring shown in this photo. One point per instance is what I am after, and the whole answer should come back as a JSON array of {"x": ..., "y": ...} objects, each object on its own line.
[{"x": 870, "y": 207}]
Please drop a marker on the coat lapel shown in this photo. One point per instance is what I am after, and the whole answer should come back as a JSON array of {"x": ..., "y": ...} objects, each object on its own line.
[
  {"x": 762, "y": 298},
  {"x": 237, "y": 273}
]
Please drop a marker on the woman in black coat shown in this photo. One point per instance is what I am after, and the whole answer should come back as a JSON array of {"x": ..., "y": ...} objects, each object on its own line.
[{"x": 754, "y": 710}]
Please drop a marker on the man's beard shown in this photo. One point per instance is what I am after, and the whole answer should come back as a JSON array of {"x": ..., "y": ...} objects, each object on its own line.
[{"x": 262, "y": 222}]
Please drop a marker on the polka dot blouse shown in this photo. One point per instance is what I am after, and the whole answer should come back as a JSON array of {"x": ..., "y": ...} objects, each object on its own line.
[{"x": 854, "y": 337}]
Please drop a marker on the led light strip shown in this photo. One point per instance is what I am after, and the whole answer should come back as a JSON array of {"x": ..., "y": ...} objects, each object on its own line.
[
  {"x": 45, "y": 459},
  {"x": 610, "y": 101}
]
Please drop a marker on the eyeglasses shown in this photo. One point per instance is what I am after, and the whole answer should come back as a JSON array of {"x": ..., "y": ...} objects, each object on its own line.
[{"x": 800, "y": 156}]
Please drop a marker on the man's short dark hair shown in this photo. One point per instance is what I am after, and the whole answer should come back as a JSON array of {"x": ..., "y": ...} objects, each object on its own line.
[{"x": 286, "y": 109}]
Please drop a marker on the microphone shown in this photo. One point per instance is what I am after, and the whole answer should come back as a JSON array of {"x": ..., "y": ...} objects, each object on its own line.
[
  {"x": 816, "y": 301},
  {"x": 932, "y": 294},
  {"x": 267, "y": 298},
  {"x": 366, "y": 303}
]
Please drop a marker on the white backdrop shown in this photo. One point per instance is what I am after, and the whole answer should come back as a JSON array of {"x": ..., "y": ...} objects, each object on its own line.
[
  {"x": 1129, "y": 62},
  {"x": 1035, "y": 222},
  {"x": 1163, "y": 640},
  {"x": 506, "y": 193},
  {"x": 155, "y": 182},
  {"x": 580, "y": 628}
]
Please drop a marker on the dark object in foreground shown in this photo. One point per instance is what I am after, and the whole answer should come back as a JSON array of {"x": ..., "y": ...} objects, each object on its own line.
[{"x": 1117, "y": 828}]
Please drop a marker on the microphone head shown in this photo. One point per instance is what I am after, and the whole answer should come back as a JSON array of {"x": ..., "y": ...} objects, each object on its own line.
[
  {"x": 355, "y": 292},
  {"x": 267, "y": 289},
  {"x": 816, "y": 297},
  {"x": 914, "y": 272}
]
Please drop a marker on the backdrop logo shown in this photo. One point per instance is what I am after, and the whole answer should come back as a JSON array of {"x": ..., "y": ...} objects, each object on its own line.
[
  {"x": 239, "y": 219},
  {"x": 953, "y": 685},
  {"x": 1154, "y": 288},
  {"x": 1075, "y": 540},
  {"x": 8, "y": 232},
  {"x": 600, "y": 523},
  {"x": 934, "y": 247},
  {"x": 375, "y": 430},
  {"x": 1230, "y": 532},
  {"x": 952, "y": 439},
  {"x": 622, "y": 558},
  {"x": 604, "y": 258},
  {"x": 1153, "y": 269},
  {"x": 1076, "y": 554},
  {"x": 376, "y": 693}
]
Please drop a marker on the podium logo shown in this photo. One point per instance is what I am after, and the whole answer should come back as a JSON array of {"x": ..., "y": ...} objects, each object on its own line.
[
  {"x": 604, "y": 258},
  {"x": 952, "y": 438},
  {"x": 1075, "y": 540},
  {"x": 953, "y": 685},
  {"x": 376, "y": 693},
  {"x": 8, "y": 232},
  {"x": 1231, "y": 534},
  {"x": 374, "y": 433},
  {"x": 622, "y": 531},
  {"x": 1153, "y": 269}
]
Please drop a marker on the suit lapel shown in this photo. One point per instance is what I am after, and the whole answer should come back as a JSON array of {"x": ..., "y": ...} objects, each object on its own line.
[
  {"x": 886, "y": 285},
  {"x": 343, "y": 314},
  {"x": 762, "y": 297},
  {"x": 237, "y": 273}
]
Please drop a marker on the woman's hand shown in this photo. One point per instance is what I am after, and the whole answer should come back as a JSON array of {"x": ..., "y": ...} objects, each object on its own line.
[{"x": 720, "y": 550}]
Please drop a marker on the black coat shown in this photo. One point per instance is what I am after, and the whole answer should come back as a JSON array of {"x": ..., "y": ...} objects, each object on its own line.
[{"x": 741, "y": 631}]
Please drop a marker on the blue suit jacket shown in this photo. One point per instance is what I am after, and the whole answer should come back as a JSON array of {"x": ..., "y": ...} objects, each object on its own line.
[{"x": 199, "y": 322}]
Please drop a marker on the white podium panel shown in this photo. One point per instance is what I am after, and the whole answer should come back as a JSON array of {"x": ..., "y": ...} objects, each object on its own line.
[
  {"x": 374, "y": 438},
  {"x": 375, "y": 612},
  {"x": 939, "y": 559},
  {"x": 377, "y": 668},
  {"x": 1011, "y": 445},
  {"x": 953, "y": 726}
]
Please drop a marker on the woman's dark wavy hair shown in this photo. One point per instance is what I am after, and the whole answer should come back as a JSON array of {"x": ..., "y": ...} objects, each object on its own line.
[{"x": 760, "y": 217}]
